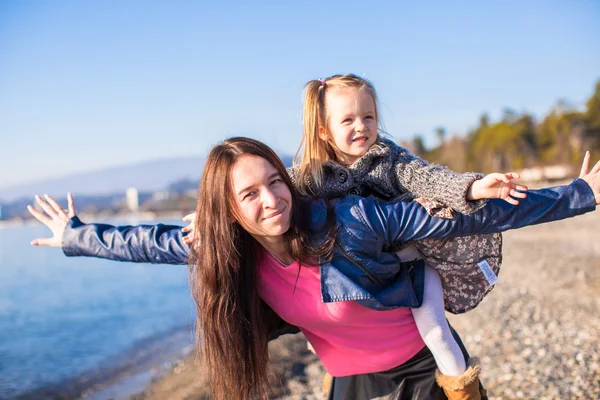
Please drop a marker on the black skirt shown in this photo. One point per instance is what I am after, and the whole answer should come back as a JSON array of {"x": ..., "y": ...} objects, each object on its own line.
[{"x": 413, "y": 380}]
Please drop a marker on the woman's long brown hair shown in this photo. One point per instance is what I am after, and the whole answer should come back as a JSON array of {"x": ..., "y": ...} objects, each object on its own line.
[{"x": 233, "y": 323}]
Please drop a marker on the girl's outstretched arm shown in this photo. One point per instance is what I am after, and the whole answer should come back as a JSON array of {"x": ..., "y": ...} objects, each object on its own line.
[
  {"x": 434, "y": 182},
  {"x": 157, "y": 244},
  {"x": 400, "y": 222}
]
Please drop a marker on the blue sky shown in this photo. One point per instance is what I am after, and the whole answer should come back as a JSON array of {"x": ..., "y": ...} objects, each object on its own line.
[{"x": 90, "y": 84}]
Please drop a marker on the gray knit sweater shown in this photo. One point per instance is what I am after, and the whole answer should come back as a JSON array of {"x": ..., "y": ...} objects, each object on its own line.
[{"x": 391, "y": 173}]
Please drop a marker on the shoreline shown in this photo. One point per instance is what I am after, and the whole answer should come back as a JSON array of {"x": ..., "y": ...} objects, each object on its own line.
[{"x": 123, "y": 377}]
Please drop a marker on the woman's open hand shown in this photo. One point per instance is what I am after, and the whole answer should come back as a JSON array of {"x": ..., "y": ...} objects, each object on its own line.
[
  {"x": 55, "y": 218},
  {"x": 593, "y": 177}
]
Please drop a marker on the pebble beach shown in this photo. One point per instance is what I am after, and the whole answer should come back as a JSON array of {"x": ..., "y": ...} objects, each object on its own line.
[{"x": 536, "y": 333}]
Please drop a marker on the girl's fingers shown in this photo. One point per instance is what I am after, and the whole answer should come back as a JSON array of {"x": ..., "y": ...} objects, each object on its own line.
[
  {"x": 39, "y": 216},
  {"x": 55, "y": 206},
  {"x": 585, "y": 166},
  {"x": 51, "y": 213},
  {"x": 520, "y": 187},
  {"x": 517, "y": 194},
  {"x": 186, "y": 229},
  {"x": 71, "y": 203}
]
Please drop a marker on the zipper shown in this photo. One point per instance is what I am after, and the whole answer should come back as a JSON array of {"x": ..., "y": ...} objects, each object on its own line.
[{"x": 371, "y": 275}]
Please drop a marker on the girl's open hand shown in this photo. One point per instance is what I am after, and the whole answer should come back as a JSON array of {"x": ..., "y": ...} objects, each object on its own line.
[
  {"x": 55, "y": 218},
  {"x": 189, "y": 238},
  {"x": 497, "y": 186}
]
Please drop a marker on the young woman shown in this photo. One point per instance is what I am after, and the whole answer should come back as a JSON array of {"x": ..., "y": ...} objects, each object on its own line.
[{"x": 263, "y": 254}]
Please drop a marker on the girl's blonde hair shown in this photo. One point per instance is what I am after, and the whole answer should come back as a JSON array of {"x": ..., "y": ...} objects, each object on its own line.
[{"x": 315, "y": 151}]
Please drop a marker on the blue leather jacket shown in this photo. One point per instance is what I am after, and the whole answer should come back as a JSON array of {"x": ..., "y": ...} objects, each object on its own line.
[{"x": 364, "y": 267}]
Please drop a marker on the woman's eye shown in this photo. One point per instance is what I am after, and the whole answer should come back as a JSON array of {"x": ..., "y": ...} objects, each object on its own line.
[
  {"x": 278, "y": 180},
  {"x": 248, "y": 195}
]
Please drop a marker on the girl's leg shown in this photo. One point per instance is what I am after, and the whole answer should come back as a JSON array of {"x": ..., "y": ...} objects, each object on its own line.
[{"x": 434, "y": 329}]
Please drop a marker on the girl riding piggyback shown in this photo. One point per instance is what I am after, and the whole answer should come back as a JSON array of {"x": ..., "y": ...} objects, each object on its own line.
[{"x": 344, "y": 153}]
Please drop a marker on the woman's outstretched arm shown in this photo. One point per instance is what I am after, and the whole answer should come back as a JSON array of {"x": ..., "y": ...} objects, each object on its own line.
[{"x": 157, "y": 244}]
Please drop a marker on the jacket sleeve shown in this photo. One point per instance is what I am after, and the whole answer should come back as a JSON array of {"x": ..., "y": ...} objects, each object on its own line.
[
  {"x": 434, "y": 182},
  {"x": 406, "y": 221},
  {"x": 157, "y": 244}
]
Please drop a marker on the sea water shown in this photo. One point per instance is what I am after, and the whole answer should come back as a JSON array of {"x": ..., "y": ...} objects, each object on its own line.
[{"x": 63, "y": 319}]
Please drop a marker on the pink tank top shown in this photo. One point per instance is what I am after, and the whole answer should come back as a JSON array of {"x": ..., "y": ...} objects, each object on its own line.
[{"x": 348, "y": 337}]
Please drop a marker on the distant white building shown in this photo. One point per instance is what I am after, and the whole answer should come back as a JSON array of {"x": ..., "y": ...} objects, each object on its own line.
[{"x": 132, "y": 199}]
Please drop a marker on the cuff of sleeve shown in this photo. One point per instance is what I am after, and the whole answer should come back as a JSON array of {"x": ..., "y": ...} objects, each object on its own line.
[
  {"x": 469, "y": 206},
  {"x": 586, "y": 196},
  {"x": 69, "y": 238}
]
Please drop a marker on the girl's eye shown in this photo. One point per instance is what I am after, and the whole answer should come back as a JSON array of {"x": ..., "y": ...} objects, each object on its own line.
[
  {"x": 278, "y": 180},
  {"x": 369, "y": 117},
  {"x": 347, "y": 121}
]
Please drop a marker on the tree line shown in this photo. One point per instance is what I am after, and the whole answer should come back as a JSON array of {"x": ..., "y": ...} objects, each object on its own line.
[{"x": 518, "y": 141}]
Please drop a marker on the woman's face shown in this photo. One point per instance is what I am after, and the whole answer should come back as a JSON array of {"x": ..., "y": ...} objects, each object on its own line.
[{"x": 263, "y": 199}]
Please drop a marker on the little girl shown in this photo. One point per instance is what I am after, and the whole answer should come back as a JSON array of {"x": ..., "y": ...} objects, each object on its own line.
[{"x": 344, "y": 154}]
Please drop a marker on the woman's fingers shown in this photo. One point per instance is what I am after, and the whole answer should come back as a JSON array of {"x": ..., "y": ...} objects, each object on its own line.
[
  {"x": 585, "y": 166},
  {"x": 596, "y": 168},
  {"x": 44, "y": 205},
  {"x": 42, "y": 242},
  {"x": 39, "y": 216},
  {"x": 55, "y": 206},
  {"x": 71, "y": 205}
]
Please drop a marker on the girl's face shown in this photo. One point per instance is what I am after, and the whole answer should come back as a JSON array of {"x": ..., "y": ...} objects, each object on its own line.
[
  {"x": 262, "y": 197},
  {"x": 352, "y": 123}
]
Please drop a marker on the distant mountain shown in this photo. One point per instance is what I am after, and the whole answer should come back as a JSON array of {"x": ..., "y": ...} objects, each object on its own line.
[{"x": 147, "y": 176}]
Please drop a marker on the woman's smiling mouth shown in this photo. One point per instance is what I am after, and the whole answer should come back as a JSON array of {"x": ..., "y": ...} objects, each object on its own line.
[{"x": 275, "y": 214}]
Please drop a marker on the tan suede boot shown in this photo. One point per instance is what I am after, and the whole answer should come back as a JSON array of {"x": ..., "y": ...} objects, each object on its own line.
[
  {"x": 463, "y": 387},
  {"x": 327, "y": 381}
]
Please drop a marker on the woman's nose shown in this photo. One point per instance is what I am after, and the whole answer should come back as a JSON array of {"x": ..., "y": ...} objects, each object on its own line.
[{"x": 270, "y": 198}]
